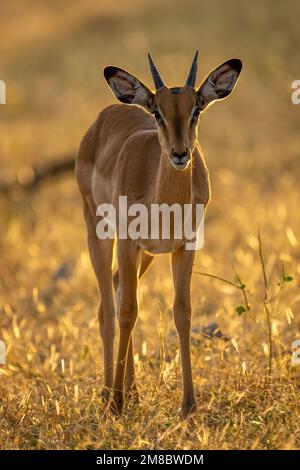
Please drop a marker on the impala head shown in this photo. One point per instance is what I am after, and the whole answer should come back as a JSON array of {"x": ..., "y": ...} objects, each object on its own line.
[{"x": 175, "y": 109}]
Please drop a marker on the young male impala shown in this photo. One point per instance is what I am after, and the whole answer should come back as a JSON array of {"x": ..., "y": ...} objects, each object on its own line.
[{"x": 147, "y": 150}]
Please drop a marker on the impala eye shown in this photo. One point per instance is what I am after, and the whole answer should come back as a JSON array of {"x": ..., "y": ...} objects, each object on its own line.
[
  {"x": 196, "y": 113},
  {"x": 157, "y": 116}
]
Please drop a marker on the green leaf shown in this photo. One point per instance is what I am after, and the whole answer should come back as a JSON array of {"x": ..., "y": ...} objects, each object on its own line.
[
  {"x": 288, "y": 279},
  {"x": 240, "y": 310}
]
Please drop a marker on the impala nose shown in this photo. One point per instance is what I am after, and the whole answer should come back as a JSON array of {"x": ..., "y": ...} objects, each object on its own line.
[{"x": 180, "y": 160}]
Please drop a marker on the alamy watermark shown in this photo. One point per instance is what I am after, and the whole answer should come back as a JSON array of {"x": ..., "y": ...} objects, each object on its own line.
[
  {"x": 154, "y": 222},
  {"x": 296, "y": 352},
  {"x": 296, "y": 94},
  {"x": 2, "y": 352},
  {"x": 2, "y": 92}
]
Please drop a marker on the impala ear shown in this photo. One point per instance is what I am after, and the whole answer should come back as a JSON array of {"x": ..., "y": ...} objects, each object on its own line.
[
  {"x": 219, "y": 83},
  {"x": 127, "y": 88}
]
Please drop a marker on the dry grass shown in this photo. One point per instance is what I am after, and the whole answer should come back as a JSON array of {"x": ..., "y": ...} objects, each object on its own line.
[{"x": 50, "y": 387}]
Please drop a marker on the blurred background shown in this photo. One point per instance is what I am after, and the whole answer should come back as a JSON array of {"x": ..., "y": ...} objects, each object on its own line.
[{"x": 51, "y": 57}]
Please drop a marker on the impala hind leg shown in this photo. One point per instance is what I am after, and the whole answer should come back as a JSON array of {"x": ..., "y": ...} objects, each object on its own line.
[
  {"x": 182, "y": 266},
  {"x": 101, "y": 252},
  {"x": 130, "y": 382},
  {"x": 128, "y": 310}
]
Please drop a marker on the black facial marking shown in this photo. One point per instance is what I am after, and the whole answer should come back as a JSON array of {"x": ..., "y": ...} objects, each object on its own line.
[{"x": 175, "y": 90}]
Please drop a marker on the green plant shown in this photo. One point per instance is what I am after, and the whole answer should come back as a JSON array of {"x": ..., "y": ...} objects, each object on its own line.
[{"x": 267, "y": 300}]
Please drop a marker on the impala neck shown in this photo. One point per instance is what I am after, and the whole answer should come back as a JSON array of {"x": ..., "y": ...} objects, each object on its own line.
[{"x": 172, "y": 186}]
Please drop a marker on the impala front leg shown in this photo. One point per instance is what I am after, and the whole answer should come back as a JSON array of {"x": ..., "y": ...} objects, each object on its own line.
[
  {"x": 130, "y": 383},
  {"x": 101, "y": 252},
  {"x": 128, "y": 310},
  {"x": 182, "y": 266}
]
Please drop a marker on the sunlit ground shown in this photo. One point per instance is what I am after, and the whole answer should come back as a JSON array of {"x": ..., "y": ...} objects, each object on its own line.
[{"x": 50, "y": 388}]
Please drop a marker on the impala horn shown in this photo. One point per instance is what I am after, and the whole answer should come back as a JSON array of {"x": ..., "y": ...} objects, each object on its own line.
[
  {"x": 158, "y": 81},
  {"x": 191, "y": 80}
]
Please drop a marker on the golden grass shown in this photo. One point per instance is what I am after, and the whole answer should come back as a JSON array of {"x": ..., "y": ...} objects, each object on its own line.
[{"x": 50, "y": 388}]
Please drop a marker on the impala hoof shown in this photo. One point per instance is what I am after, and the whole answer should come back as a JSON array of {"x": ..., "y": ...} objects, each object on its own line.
[
  {"x": 116, "y": 404},
  {"x": 188, "y": 409},
  {"x": 106, "y": 393}
]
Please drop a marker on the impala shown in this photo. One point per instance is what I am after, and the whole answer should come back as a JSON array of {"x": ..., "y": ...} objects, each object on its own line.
[{"x": 146, "y": 149}]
